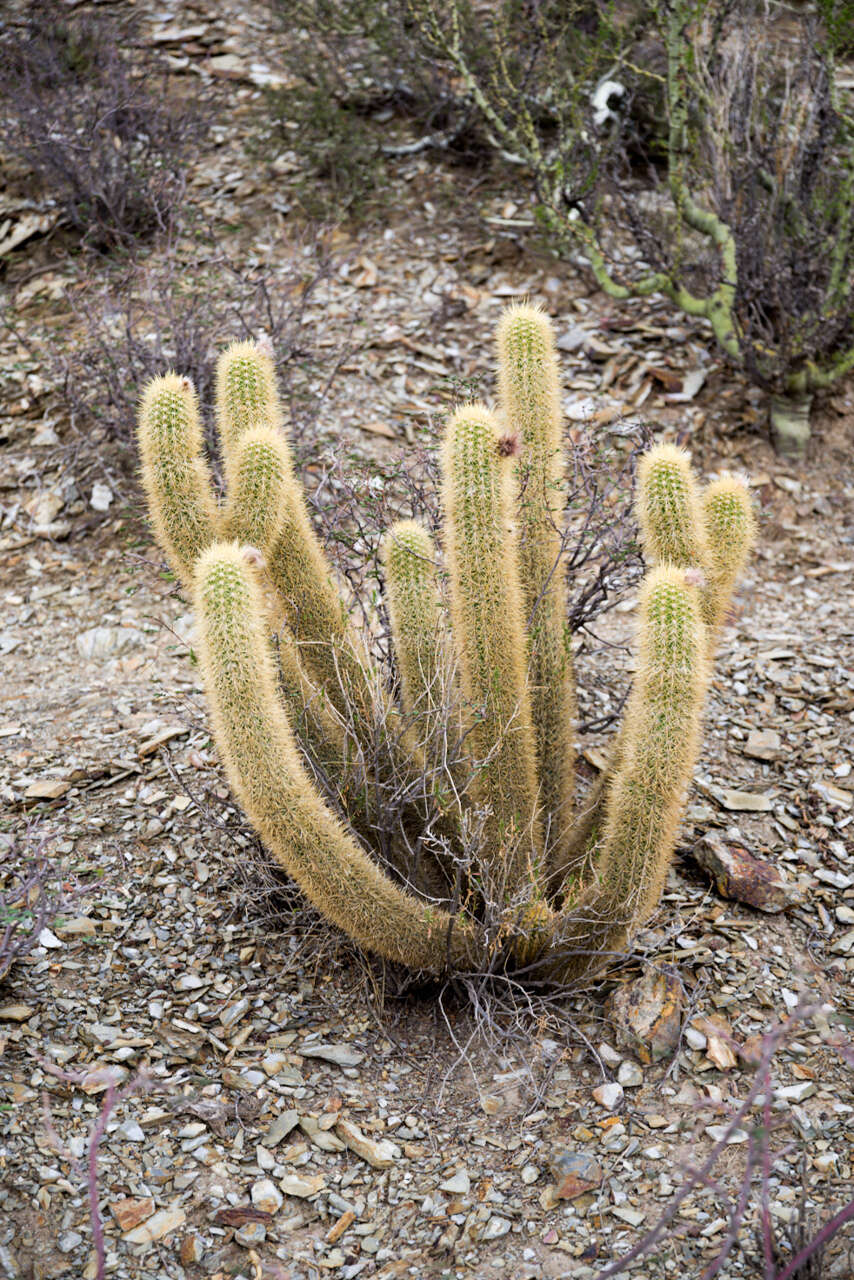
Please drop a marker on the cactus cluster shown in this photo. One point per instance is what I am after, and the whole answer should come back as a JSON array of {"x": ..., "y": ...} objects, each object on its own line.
[{"x": 484, "y": 858}]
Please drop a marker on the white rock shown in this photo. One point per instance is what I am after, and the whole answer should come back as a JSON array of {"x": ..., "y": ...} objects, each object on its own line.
[
  {"x": 341, "y": 1054},
  {"x": 796, "y": 1092},
  {"x": 130, "y": 1131},
  {"x": 530, "y": 1173},
  {"x": 380, "y": 1154},
  {"x": 107, "y": 642},
  {"x": 267, "y": 1196},
  {"x": 458, "y": 1185},
  {"x": 496, "y": 1228},
  {"x": 250, "y": 1234},
  {"x": 101, "y": 498},
  {"x": 47, "y": 938},
  {"x": 632, "y": 1216},
  {"x": 609, "y": 1095},
  {"x": 284, "y": 1122},
  {"x": 609, "y": 1056},
  {"x": 580, "y": 410},
  {"x": 630, "y": 1075},
  {"x": 694, "y": 1038}
]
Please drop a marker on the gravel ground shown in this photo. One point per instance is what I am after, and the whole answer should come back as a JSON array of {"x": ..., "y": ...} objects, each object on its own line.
[{"x": 281, "y": 1107}]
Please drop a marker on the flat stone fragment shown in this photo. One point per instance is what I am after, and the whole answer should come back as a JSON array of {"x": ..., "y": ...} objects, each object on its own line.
[
  {"x": 15, "y": 1012},
  {"x": 496, "y": 1228},
  {"x": 739, "y": 875},
  {"x": 47, "y": 789},
  {"x": 747, "y": 801},
  {"x": 575, "y": 1173},
  {"x": 158, "y": 1227},
  {"x": 294, "y": 1185},
  {"x": 796, "y": 1092},
  {"x": 632, "y": 1216},
  {"x": 629, "y": 1075},
  {"x": 720, "y": 1044},
  {"x": 192, "y": 1250},
  {"x": 284, "y": 1122},
  {"x": 160, "y": 739},
  {"x": 763, "y": 744},
  {"x": 380, "y": 1154},
  {"x": 647, "y": 1015},
  {"x": 458, "y": 1185},
  {"x": 250, "y": 1235},
  {"x": 131, "y": 1212},
  {"x": 341, "y": 1054},
  {"x": 79, "y": 927}
]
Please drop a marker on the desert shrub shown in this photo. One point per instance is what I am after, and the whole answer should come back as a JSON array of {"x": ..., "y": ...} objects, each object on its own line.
[
  {"x": 146, "y": 317},
  {"x": 93, "y": 124},
  {"x": 699, "y": 151},
  {"x": 364, "y": 65},
  {"x": 838, "y": 18},
  {"x": 32, "y": 896}
]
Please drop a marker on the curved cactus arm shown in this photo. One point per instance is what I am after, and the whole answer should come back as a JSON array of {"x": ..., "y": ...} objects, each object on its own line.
[
  {"x": 248, "y": 412},
  {"x": 174, "y": 473},
  {"x": 488, "y": 625},
  {"x": 257, "y": 468},
  {"x": 246, "y": 394},
  {"x": 329, "y": 646},
  {"x": 669, "y": 510},
  {"x": 415, "y": 611},
  {"x": 730, "y": 528},
  {"x": 646, "y": 796},
  {"x": 529, "y": 398},
  {"x": 265, "y": 770},
  {"x": 661, "y": 742}
]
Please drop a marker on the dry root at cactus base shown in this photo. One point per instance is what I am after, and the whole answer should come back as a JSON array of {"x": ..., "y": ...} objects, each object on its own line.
[{"x": 434, "y": 821}]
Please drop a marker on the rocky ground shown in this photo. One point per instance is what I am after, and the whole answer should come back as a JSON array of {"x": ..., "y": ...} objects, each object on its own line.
[{"x": 285, "y": 1109}]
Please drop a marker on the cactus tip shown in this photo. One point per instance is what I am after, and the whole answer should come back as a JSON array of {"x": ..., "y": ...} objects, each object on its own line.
[{"x": 252, "y": 556}]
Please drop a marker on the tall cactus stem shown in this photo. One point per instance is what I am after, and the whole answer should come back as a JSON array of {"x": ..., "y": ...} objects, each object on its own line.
[
  {"x": 660, "y": 744},
  {"x": 174, "y": 473},
  {"x": 529, "y": 398},
  {"x": 270, "y": 780},
  {"x": 488, "y": 621}
]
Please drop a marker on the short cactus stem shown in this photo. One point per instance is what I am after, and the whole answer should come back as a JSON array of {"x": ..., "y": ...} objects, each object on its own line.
[
  {"x": 487, "y": 617},
  {"x": 174, "y": 473},
  {"x": 790, "y": 423},
  {"x": 661, "y": 738},
  {"x": 730, "y": 528},
  {"x": 257, "y": 468},
  {"x": 415, "y": 610},
  {"x": 246, "y": 393},
  {"x": 668, "y": 508}
]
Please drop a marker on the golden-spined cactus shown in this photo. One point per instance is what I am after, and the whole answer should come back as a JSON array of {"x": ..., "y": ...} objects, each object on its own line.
[
  {"x": 529, "y": 403},
  {"x": 434, "y": 824}
]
